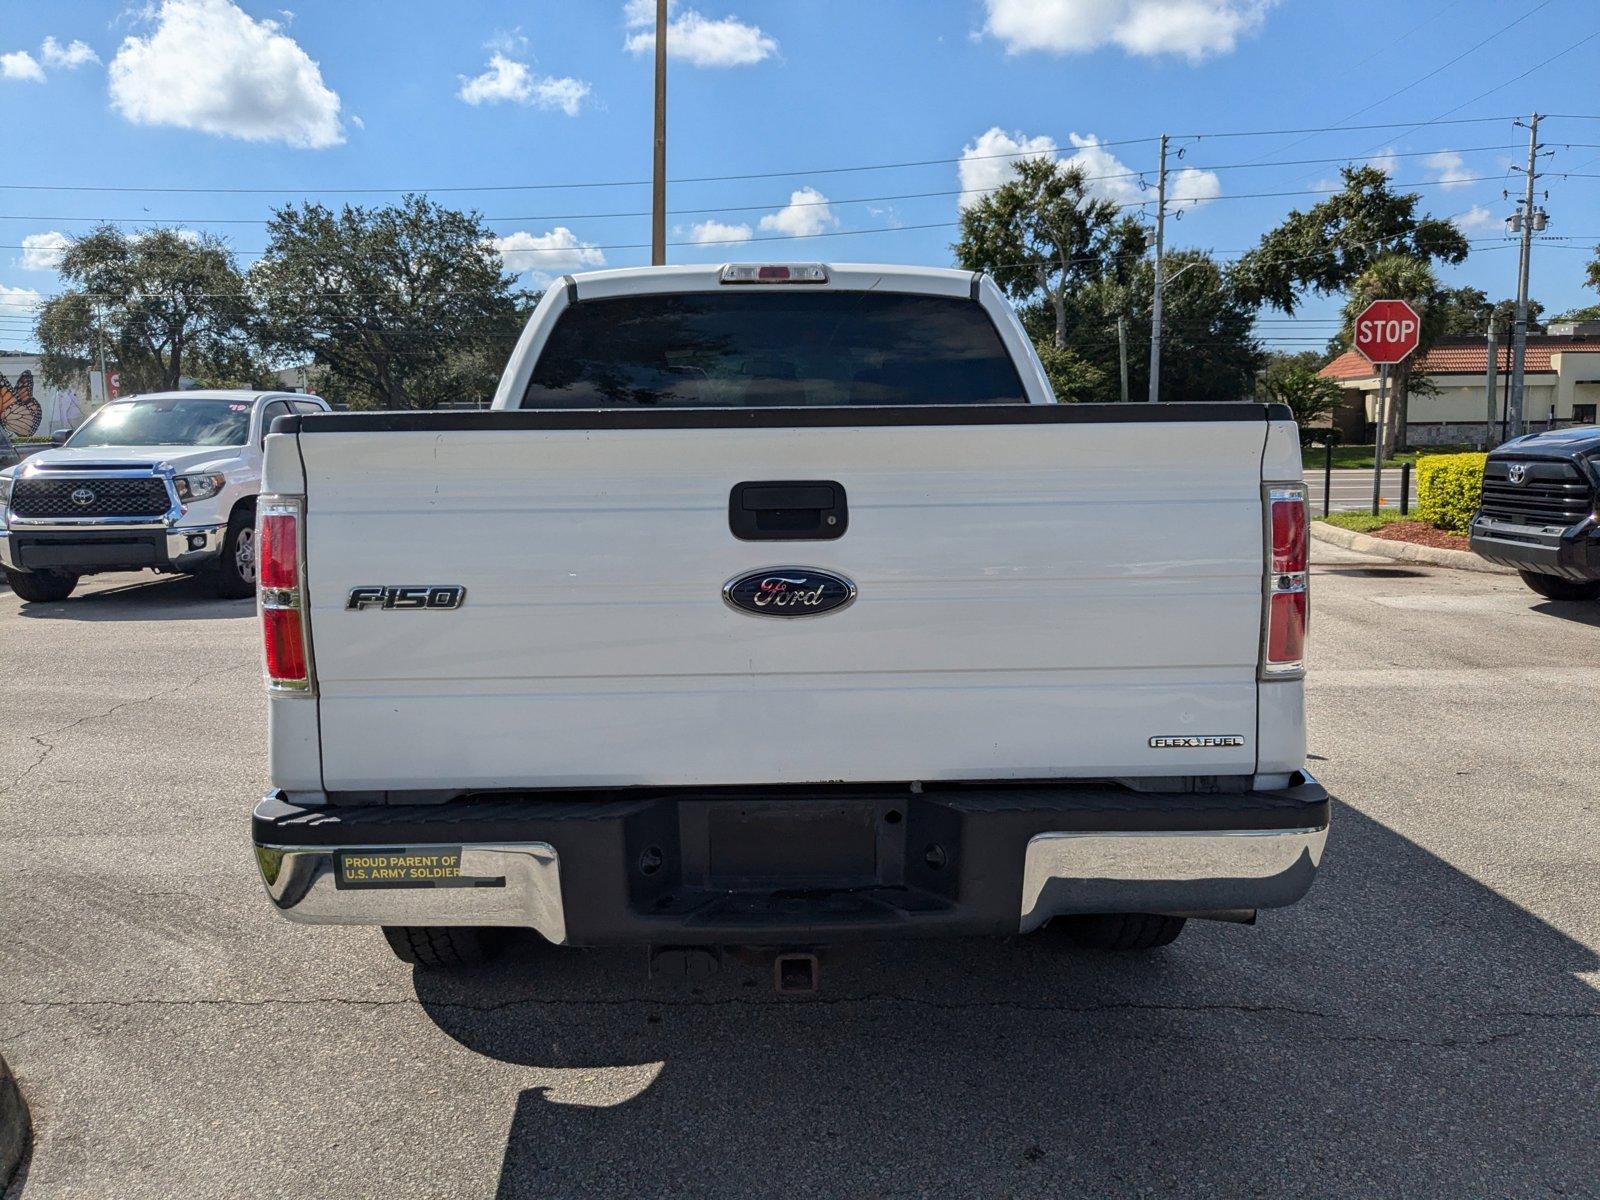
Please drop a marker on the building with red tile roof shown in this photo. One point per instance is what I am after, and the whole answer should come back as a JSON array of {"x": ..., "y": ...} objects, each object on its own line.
[{"x": 1561, "y": 387}]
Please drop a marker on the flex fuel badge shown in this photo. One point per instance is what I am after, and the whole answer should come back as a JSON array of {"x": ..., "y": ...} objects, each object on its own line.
[
  {"x": 1203, "y": 741},
  {"x": 437, "y": 866}
]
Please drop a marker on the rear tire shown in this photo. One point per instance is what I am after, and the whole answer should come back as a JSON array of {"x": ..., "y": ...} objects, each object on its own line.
[
  {"x": 236, "y": 569},
  {"x": 443, "y": 946},
  {"x": 1120, "y": 931},
  {"x": 1553, "y": 587},
  {"x": 40, "y": 587}
]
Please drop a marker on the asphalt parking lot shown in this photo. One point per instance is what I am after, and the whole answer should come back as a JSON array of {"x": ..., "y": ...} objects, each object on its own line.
[{"x": 1426, "y": 1023}]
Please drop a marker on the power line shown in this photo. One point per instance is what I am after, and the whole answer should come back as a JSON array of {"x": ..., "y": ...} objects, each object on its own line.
[
  {"x": 1192, "y": 201},
  {"x": 777, "y": 205},
  {"x": 741, "y": 176}
]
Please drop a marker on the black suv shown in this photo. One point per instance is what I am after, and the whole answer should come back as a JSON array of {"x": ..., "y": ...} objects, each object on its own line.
[{"x": 1538, "y": 511}]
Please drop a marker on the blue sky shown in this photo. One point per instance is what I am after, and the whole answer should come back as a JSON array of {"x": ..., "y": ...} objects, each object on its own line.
[{"x": 356, "y": 94}]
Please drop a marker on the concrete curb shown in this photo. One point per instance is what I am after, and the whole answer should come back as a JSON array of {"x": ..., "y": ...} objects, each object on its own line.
[
  {"x": 14, "y": 1126},
  {"x": 1461, "y": 560}
]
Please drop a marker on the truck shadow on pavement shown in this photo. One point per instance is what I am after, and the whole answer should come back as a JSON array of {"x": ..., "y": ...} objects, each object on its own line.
[
  {"x": 1580, "y": 612},
  {"x": 1404, "y": 1031},
  {"x": 152, "y": 598}
]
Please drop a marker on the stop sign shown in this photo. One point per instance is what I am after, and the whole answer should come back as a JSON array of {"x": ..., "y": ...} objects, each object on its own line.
[{"x": 1387, "y": 331}]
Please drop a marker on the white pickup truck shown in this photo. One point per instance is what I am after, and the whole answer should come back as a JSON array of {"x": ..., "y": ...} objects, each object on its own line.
[
  {"x": 164, "y": 481},
  {"x": 777, "y": 606}
]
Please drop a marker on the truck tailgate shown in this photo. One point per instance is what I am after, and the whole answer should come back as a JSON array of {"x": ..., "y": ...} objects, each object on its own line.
[{"x": 1037, "y": 599}]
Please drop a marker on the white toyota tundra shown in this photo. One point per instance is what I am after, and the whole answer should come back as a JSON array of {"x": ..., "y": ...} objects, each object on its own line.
[
  {"x": 165, "y": 481},
  {"x": 781, "y": 605}
]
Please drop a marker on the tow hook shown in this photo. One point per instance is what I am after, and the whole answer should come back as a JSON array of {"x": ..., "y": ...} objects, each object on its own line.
[{"x": 796, "y": 973}]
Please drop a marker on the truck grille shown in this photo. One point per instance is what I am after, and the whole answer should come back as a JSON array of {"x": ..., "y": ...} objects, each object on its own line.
[
  {"x": 1550, "y": 493},
  {"x": 94, "y": 497}
]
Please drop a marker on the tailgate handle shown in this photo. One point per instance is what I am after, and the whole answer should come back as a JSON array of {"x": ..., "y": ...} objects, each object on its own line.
[{"x": 788, "y": 511}]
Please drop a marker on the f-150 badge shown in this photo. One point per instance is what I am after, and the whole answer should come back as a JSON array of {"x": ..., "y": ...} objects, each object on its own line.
[
  {"x": 412, "y": 596},
  {"x": 788, "y": 592}
]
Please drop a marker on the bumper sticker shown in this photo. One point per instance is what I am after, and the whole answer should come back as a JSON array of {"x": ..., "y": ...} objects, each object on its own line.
[{"x": 434, "y": 867}]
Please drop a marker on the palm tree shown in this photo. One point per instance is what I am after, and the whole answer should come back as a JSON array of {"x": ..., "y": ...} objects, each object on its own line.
[{"x": 1398, "y": 277}]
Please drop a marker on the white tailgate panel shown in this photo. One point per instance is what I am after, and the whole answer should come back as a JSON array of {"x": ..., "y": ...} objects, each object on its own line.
[{"x": 1034, "y": 601}]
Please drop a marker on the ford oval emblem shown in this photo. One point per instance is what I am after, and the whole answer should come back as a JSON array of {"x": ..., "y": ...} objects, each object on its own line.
[{"x": 789, "y": 592}]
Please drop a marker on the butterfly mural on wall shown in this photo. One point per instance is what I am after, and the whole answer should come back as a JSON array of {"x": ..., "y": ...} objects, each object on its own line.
[{"x": 20, "y": 412}]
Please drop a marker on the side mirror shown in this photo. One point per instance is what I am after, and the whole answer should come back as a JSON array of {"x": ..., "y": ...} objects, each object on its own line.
[{"x": 58, "y": 437}]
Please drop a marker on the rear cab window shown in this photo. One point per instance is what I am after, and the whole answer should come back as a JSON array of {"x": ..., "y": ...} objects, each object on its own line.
[{"x": 742, "y": 348}]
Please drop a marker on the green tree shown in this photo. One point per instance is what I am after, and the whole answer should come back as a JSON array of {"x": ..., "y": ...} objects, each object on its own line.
[
  {"x": 1042, "y": 237},
  {"x": 1324, "y": 249},
  {"x": 1589, "y": 312},
  {"x": 1292, "y": 379},
  {"x": 1399, "y": 277},
  {"x": 404, "y": 306},
  {"x": 1208, "y": 349},
  {"x": 1468, "y": 312},
  {"x": 1072, "y": 376},
  {"x": 162, "y": 304},
  {"x": 1592, "y": 274}
]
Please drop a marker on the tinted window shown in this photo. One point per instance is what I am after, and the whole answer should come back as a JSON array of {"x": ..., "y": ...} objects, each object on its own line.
[
  {"x": 167, "y": 422},
  {"x": 278, "y": 408},
  {"x": 746, "y": 347}
]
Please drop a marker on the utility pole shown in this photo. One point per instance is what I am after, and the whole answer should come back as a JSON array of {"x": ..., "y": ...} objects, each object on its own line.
[
  {"x": 1155, "y": 308},
  {"x": 1489, "y": 387},
  {"x": 1525, "y": 221},
  {"x": 100, "y": 339},
  {"x": 658, "y": 198},
  {"x": 1122, "y": 353},
  {"x": 1377, "y": 449}
]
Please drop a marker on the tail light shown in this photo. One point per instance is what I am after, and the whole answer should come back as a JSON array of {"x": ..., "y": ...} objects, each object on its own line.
[
  {"x": 280, "y": 572},
  {"x": 1285, "y": 608}
]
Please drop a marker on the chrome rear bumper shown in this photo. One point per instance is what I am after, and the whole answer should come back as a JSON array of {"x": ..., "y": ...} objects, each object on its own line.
[
  {"x": 665, "y": 868},
  {"x": 1166, "y": 872},
  {"x": 526, "y": 890}
]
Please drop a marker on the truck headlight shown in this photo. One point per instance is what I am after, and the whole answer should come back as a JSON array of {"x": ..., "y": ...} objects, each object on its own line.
[{"x": 198, "y": 487}]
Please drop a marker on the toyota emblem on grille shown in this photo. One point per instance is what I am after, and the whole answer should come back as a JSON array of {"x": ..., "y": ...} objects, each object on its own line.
[
  {"x": 1518, "y": 472},
  {"x": 83, "y": 497}
]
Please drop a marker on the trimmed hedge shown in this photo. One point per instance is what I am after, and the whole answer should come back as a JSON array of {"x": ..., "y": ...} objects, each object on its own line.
[{"x": 1448, "y": 488}]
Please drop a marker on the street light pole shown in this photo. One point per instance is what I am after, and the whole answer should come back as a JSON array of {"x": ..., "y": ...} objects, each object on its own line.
[{"x": 658, "y": 198}]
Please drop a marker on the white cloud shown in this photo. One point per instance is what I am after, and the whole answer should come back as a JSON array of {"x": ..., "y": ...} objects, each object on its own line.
[
  {"x": 990, "y": 160},
  {"x": 1452, "y": 170},
  {"x": 43, "y": 251},
  {"x": 508, "y": 81},
  {"x": 699, "y": 40},
  {"x": 19, "y": 64},
  {"x": 1476, "y": 217},
  {"x": 806, "y": 215},
  {"x": 716, "y": 231},
  {"x": 1192, "y": 28},
  {"x": 73, "y": 54},
  {"x": 1386, "y": 160},
  {"x": 19, "y": 302},
  {"x": 207, "y": 65},
  {"x": 547, "y": 253}
]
